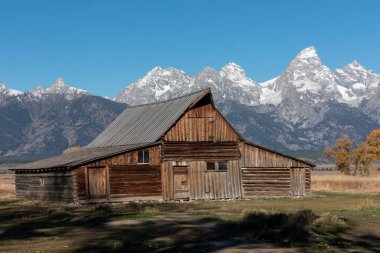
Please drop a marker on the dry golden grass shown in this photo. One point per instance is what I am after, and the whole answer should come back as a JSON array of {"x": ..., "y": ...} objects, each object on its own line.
[
  {"x": 7, "y": 186},
  {"x": 368, "y": 204},
  {"x": 343, "y": 183}
]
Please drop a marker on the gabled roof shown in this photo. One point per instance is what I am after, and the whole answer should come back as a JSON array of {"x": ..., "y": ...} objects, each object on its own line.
[
  {"x": 146, "y": 123},
  {"x": 79, "y": 157}
]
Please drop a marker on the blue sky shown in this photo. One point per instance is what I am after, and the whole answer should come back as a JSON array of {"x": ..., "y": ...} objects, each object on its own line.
[{"x": 104, "y": 45}]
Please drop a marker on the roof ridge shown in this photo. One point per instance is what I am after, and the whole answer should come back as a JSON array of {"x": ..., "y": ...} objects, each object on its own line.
[{"x": 171, "y": 99}]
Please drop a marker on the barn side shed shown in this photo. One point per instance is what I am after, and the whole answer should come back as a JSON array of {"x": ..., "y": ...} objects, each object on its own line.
[{"x": 181, "y": 148}]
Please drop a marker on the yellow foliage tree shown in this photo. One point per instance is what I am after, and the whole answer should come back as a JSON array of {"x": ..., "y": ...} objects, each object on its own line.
[
  {"x": 341, "y": 151},
  {"x": 373, "y": 141},
  {"x": 363, "y": 158}
]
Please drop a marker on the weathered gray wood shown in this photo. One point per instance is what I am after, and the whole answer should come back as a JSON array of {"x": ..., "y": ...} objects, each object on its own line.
[{"x": 57, "y": 186}]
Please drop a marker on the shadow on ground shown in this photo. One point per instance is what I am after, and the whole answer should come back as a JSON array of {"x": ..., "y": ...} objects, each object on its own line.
[{"x": 114, "y": 231}]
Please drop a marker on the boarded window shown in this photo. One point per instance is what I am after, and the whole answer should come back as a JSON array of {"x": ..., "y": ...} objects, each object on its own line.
[
  {"x": 143, "y": 156},
  {"x": 222, "y": 166},
  {"x": 210, "y": 166}
]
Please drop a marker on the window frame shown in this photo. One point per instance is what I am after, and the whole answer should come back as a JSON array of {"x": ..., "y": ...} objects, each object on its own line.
[
  {"x": 223, "y": 162},
  {"x": 208, "y": 164},
  {"x": 145, "y": 156},
  {"x": 216, "y": 165}
]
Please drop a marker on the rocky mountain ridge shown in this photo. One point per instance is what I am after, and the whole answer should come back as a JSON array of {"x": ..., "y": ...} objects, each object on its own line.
[{"x": 302, "y": 110}]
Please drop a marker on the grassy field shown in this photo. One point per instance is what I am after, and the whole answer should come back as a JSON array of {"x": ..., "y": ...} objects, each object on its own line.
[
  {"x": 324, "y": 222},
  {"x": 336, "y": 181},
  {"x": 7, "y": 186}
]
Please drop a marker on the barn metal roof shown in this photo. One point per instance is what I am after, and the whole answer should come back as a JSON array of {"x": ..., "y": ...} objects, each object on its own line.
[
  {"x": 79, "y": 157},
  {"x": 146, "y": 123}
]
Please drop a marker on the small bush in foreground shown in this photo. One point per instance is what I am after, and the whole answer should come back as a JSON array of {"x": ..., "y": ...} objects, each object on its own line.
[{"x": 289, "y": 228}]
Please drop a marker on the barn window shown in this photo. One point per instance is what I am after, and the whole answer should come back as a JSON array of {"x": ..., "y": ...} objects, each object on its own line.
[
  {"x": 210, "y": 166},
  {"x": 217, "y": 166},
  {"x": 42, "y": 181},
  {"x": 222, "y": 166},
  {"x": 143, "y": 156}
]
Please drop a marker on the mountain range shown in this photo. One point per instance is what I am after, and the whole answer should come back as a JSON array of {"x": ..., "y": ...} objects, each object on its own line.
[{"x": 300, "y": 112}]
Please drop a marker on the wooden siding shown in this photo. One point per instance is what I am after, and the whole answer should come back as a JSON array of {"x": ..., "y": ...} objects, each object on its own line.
[
  {"x": 200, "y": 151},
  {"x": 135, "y": 181},
  {"x": 127, "y": 160},
  {"x": 256, "y": 157},
  {"x": 204, "y": 184},
  {"x": 202, "y": 123},
  {"x": 56, "y": 186}
]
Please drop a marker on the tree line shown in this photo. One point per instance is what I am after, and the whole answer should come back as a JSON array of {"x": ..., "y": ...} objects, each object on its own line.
[{"x": 362, "y": 157}]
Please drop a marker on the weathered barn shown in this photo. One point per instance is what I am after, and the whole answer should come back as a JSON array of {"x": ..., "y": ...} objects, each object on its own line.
[{"x": 181, "y": 148}]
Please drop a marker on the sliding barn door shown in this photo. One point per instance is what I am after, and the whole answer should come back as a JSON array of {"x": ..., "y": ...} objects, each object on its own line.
[
  {"x": 97, "y": 183},
  {"x": 181, "y": 188}
]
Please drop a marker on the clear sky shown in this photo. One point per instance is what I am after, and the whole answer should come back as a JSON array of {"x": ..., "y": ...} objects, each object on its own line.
[{"x": 102, "y": 46}]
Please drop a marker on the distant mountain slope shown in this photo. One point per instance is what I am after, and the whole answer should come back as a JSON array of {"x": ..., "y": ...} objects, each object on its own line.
[{"x": 36, "y": 125}]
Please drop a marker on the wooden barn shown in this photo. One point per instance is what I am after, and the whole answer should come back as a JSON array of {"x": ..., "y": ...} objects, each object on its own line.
[{"x": 181, "y": 148}]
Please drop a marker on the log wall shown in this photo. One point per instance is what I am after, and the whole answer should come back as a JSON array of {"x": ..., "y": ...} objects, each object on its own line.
[
  {"x": 200, "y": 151},
  {"x": 55, "y": 186},
  {"x": 266, "y": 182},
  {"x": 135, "y": 181}
]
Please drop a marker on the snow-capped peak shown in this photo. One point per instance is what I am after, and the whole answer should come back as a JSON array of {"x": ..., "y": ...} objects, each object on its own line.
[
  {"x": 354, "y": 65},
  {"x": 309, "y": 52},
  {"x": 233, "y": 72},
  {"x": 9, "y": 92},
  {"x": 156, "y": 84},
  {"x": 38, "y": 90},
  {"x": 60, "y": 87}
]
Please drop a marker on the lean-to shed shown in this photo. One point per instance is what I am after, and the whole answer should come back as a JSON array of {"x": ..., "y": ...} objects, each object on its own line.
[{"x": 181, "y": 148}]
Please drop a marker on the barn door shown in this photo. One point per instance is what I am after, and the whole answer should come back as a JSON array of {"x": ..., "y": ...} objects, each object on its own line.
[
  {"x": 181, "y": 188},
  {"x": 97, "y": 183},
  {"x": 298, "y": 185}
]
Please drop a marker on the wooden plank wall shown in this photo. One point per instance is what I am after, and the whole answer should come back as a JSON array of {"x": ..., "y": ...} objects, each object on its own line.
[
  {"x": 205, "y": 184},
  {"x": 125, "y": 159},
  {"x": 252, "y": 156},
  {"x": 202, "y": 123},
  {"x": 135, "y": 181},
  {"x": 200, "y": 150},
  {"x": 57, "y": 186}
]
